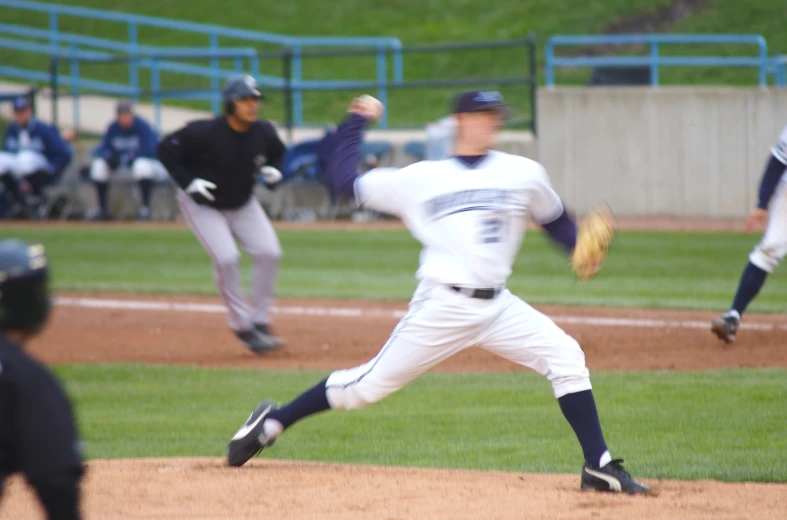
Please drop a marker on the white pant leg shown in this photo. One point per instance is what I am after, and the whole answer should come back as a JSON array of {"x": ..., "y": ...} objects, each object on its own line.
[
  {"x": 773, "y": 246},
  {"x": 527, "y": 337},
  {"x": 7, "y": 163},
  {"x": 99, "y": 170},
  {"x": 250, "y": 225},
  {"x": 437, "y": 326},
  {"x": 212, "y": 229},
  {"x": 143, "y": 168},
  {"x": 28, "y": 161}
]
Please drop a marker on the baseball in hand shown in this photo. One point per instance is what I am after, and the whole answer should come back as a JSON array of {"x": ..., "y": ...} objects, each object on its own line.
[{"x": 369, "y": 107}]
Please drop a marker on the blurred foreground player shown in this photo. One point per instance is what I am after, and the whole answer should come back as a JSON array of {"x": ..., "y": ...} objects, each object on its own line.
[{"x": 38, "y": 436}]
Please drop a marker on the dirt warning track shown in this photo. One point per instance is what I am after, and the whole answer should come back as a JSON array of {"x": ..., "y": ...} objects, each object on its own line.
[{"x": 329, "y": 334}]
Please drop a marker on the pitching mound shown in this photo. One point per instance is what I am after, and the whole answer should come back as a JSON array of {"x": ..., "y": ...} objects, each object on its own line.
[{"x": 206, "y": 488}]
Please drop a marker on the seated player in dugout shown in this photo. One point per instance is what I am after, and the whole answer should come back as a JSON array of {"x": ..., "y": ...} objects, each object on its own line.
[
  {"x": 38, "y": 436},
  {"x": 128, "y": 146},
  {"x": 33, "y": 155}
]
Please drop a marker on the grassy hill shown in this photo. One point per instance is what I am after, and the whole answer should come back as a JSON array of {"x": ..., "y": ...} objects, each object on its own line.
[{"x": 435, "y": 21}]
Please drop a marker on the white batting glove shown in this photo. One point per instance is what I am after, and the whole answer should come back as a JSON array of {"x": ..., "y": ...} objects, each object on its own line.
[
  {"x": 270, "y": 174},
  {"x": 201, "y": 187}
]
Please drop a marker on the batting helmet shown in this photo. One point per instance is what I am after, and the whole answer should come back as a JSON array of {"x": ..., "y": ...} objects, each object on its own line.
[
  {"x": 239, "y": 86},
  {"x": 24, "y": 289}
]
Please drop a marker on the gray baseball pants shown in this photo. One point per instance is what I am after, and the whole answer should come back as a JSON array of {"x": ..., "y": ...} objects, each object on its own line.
[{"x": 217, "y": 230}]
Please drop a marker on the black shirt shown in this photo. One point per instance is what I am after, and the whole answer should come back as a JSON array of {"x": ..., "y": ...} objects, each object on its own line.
[
  {"x": 38, "y": 436},
  {"x": 210, "y": 149}
]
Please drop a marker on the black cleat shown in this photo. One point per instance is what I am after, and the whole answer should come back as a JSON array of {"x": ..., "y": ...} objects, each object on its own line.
[
  {"x": 612, "y": 478},
  {"x": 265, "y": 331},
  {"x": 258, "y": 343},
  {"x": 249, "y": 440},
  {"x": 725, "y": 327}
]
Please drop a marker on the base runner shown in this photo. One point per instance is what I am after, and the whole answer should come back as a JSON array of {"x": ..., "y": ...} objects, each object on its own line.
[{"x": 216, "y": 163}]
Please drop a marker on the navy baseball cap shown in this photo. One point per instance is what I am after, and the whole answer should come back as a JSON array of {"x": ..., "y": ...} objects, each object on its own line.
[
  {"x": 21, "y": 103},
  {"x": 124, "y": 106},
  {"x": 478, "y": 100}
]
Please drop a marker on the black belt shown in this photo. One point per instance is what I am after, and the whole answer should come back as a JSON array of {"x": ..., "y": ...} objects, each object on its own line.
[{"x": 481, "y": 294}]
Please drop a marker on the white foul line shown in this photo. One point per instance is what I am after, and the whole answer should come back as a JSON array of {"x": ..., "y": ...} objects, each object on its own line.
[{"x": 344, "y": 312}]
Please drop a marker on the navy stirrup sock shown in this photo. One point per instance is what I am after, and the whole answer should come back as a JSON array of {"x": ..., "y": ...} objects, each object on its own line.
[
  {"x": 310, "y": 402},
  {"x": 751, "y": 282},
  {"x": 580, "y": 411}
]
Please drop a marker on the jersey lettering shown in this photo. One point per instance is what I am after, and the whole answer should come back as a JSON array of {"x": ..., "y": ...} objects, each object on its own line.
[
  {"x": 469, "y": 220},
  {"x": 492, "y": 230},
  {"x": 466, "y": 200},
  {"x": 129, "y": 143}
]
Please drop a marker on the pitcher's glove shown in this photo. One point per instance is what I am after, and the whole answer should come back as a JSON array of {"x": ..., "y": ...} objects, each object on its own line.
[{"x": 594, "y": 236}]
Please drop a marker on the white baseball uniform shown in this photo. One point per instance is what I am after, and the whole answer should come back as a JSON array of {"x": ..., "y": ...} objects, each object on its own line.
[
  {"x": 773, "y": 246},
  {"x": 141, "y": 168},
  {"x": 471, "y": 222},
  {"x": 29, "y": 157}
]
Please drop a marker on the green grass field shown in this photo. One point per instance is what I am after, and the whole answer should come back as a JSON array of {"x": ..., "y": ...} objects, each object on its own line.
[
  {"x": 415, "y": 22},
  {"x": 725, "y": 425},
  {"x": 645, "y": 269}
]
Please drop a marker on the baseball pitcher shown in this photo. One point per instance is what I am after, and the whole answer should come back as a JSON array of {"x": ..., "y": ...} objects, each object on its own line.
[{"x": 468, "y": 212}]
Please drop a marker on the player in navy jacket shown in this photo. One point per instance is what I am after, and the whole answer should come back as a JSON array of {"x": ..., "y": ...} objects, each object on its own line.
[
  {"x": 128, "y": 144},
  {"x": 33, "y": 154}
]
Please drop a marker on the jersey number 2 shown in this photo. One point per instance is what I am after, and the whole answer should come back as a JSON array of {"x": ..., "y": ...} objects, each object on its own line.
[{"x": 491, "y": 230}]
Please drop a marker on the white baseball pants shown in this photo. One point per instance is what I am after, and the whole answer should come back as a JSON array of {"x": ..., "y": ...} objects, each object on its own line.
[
  {"x": 22, "y": 163},
  {"x": 217, "y": 231},
  {"x": 142, "y": 168},
  {"x": 441, "y": 323},
  {"x": 773, "y": 246}
]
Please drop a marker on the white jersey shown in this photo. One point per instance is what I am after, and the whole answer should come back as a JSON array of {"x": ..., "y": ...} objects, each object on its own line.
[
  {"x": 470, "y": 220},
  {"x": 780, "y": 149}
]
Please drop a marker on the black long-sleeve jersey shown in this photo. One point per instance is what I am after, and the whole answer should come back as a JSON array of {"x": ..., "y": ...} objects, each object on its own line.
[
  {"x": 38, "y": 435},
  {"x": 210, "y": 149}
]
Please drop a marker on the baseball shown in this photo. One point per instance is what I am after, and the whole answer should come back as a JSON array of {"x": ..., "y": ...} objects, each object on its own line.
[{"x": 369, "y": 106}]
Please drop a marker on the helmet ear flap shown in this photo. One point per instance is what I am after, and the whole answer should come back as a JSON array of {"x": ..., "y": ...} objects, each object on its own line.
[{"x": 229, "y": 107}]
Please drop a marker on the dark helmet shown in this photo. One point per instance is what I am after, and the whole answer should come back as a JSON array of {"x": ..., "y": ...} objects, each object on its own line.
[
  {"x": 239, "y": 86},
  {"x": 24, "y": 289}
]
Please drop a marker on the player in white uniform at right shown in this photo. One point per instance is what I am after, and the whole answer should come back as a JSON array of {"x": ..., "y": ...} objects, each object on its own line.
[
  {"x": 771, "y": 249},
  {"x": 469, "y": 213}
]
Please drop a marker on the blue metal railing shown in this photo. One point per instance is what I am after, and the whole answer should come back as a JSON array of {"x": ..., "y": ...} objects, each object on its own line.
[
  {"x": 779, "y": 70},
  {"x": 154, "y": 60},
  {"x": 214, "y": 32},
  {"x": 60, "y": 78},
  {"x": 654, "y": 60},
  {"x": 74, "y": 40}
]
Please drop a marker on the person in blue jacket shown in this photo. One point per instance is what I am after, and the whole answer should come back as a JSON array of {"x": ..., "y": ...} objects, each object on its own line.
[
  {"x": 33, "y": 155},
  {"x": 129, "y": 144}
]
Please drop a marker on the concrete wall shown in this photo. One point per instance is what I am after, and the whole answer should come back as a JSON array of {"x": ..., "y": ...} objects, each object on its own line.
[{"x": 677, "y": 151}]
